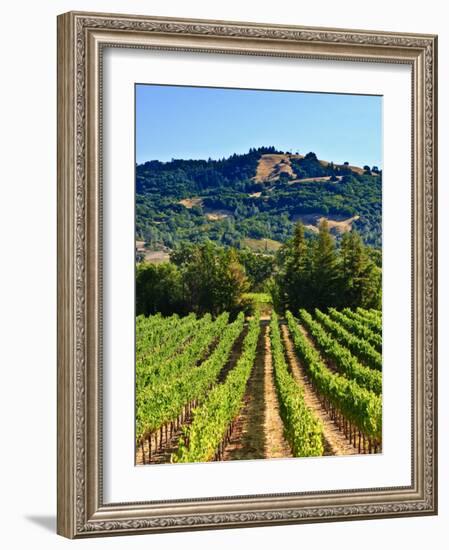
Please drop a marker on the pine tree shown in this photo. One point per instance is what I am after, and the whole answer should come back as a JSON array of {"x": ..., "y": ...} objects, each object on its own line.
[
  {"x": 324, "y": 268},
  {"x": 295, "y": 280},
  {"x": 313, "y": 273},
  {"x": 353, "y": 263},
  {"x": 359, "y": 277}
]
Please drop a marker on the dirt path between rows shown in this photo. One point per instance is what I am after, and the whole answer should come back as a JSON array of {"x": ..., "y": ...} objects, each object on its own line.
[
  {"x": 258, "y": 430},
  {"x": 275, "y": 444},
  {"x": 335, "y": 441},
  {"x": 247, "y": 438}
]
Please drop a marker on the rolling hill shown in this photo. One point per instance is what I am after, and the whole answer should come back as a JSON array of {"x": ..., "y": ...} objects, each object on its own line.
[{"x": 254, "y": 197}]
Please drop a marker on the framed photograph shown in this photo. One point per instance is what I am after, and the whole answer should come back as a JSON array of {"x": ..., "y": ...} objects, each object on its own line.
[{"x": 247, "y": 291}]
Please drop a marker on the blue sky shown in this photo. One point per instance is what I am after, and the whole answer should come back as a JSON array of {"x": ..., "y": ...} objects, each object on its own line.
[{"x": 198, "y": 123}]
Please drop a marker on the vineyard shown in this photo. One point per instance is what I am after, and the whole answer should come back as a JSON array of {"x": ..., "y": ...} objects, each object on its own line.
[{"x": 306, "y": 384}]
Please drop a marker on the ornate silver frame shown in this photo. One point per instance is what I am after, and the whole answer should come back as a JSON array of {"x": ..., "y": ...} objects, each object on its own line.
[{"x": 81, "y": 38}]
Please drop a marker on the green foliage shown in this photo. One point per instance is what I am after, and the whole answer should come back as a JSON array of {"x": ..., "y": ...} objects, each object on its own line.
[
  {"x": 171, "y": 385},
  {"x": 200, "y": 278},
  {"x": 303, "y": 430},
  {"x": 210, "y": 265},
  {"x": 212, "y": 419},
  {"x": 214, "y": 280},
  {"x": 373, "y": 321},
  {"x": 324, "y": 266},
  {"x": 158, "y": 339},
  {"x": 179, "y": 360},
  {"x": 315, "y": 273},
  {"x": 310, "y": 167},
  {"x": 258, "y": 268},
  {"x": 305, "y": 273},
  {"x": 362, "y": 276},
  {"x": 358, "y": 328},
  {"x": 345, "y": 362},
  {"x": 158, "y": 392},
  {"x": 259, "y": 303},
  {"x": 360, "y": 406},
  {"x": 158, "y": 289},
  {"x": 360, "y": 348},
  {"x": 227, "y": 184},
  {"x": 259, "y": 297}
]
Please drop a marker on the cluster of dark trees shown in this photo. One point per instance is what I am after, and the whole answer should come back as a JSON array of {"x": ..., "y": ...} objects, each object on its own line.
[
  {"x": 201, "y": 279},
  {"x": 316, "y": 273},
  {"x": 259, "y": 268},
  {"x": 227, "y": 184},
  {"x": 310, "y": 167},
  {"x": 305, "y": 273},
  {"x": 179, "y": 176}
]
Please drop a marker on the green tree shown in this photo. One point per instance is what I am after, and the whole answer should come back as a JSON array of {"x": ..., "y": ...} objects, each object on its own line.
[
  {"x": 372, "y": 295},
  {"x": 158, "y": 289},
  {"x": 231, "y": 283},
  {"x": 293, "y": 279},
  {"x": 258, "y": 268},
  {"x": 295, "y": 274},
  {"x": 214, "y": 280},
  {"x": 324, "y": 268},
  {"x": 353, "y": 264},
  {"x": 314, "y": 273},
  {"x": 360, "y": 278}
]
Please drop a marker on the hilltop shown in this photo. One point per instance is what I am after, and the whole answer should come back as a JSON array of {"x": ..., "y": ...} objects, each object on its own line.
[
  {"x": 272, "y": 166},
  {"x": 244, "y": 200}
]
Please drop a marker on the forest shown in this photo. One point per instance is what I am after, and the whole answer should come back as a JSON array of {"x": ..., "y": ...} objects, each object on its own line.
[
  {"x": 191, "y": 201},
  {"x": 308, "y": 273}
]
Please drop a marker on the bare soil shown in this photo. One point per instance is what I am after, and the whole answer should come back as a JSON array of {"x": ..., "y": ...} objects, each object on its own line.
[
  {"x": 247, "y": 438},
  {"x": 335, "y": 441},
  {"x": 163, "y": 452},
  {"x": 270, "y": 167},
  {"x": 193, "y": 201},
  {"x": 216, "y": 215},
  {"x": 156, "y": 256},
  {"x": 310, "y": 180},
  {"x": 262, "y": 245},
  {"x": 258, "y": 431},
  {"x": 234, "y": 356},
  {"x": 275, "y": 444},
  {"x": 336, "y": 224}
]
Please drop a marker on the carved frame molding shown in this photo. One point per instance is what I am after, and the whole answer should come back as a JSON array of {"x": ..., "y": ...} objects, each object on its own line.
[{"x": 81, "y": 39}]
